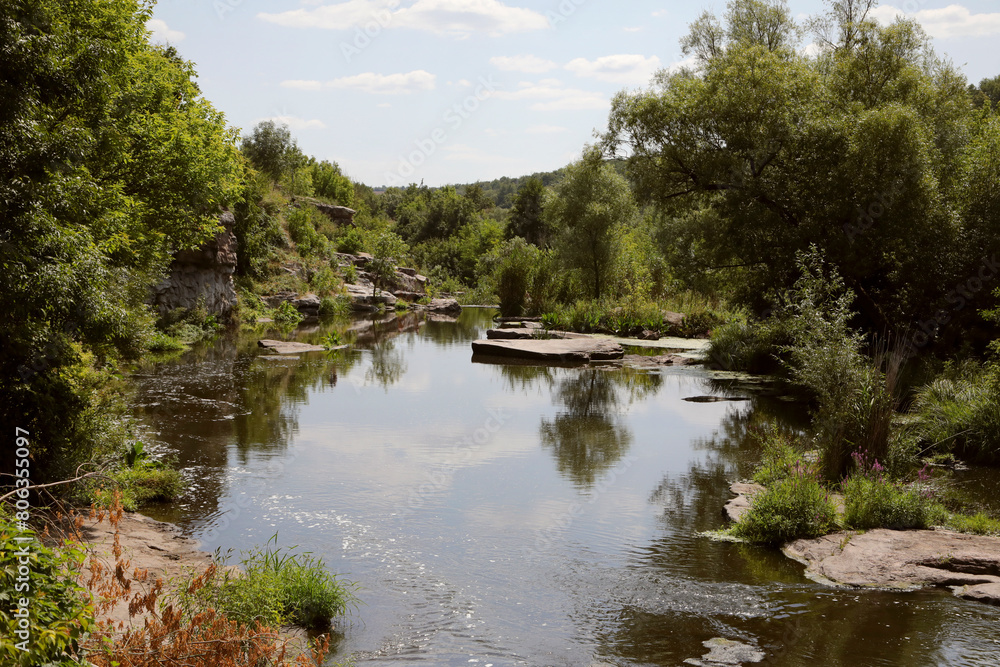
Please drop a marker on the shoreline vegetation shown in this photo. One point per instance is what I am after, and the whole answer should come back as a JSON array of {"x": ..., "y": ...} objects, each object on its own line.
[{"x": 830, "y": 217}]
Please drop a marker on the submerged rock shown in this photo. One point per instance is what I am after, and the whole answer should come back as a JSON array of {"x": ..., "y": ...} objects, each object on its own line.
[{"x": 723, "y": 651}]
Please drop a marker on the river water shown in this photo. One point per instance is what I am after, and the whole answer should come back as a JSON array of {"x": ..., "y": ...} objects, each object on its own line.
[{"x": 514, "y": 515}]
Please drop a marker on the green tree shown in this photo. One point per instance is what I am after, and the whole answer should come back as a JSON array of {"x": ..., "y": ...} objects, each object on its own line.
[
  {"x": 387, "y": 252},
  {"x": 588, "y": 204},
  {"x": 271, "y": 149},
  {"x": 987, "y": 91},
  {"x": 857, "y": 150},
  {"x": 107, "y": 165},
  {"x": 527, "y": 218}
]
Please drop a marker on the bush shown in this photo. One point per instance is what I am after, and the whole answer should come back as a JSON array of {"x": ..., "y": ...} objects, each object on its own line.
[
  {"x": 751, "y": 347},
  {"x": 795, "y": 507},
  {"x": 287, "y": 313},
  {"x": 512, "y": 275},
  {"x": 960, "y": 412},
  {"x": 59, "y": 613},
  {"x": 780, "y": 458},
  {"x": 350, "y": 242},
  {"x": 277, "y": 587},
  {"x": 871, "y": 501}
]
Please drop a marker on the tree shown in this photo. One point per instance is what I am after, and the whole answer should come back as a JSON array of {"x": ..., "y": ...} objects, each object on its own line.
[
  {"x": 857, "y": 150},
  {"x": 271, "y": 149},
  {"x": 987, "y": 91},
  {"x": 387, "y": 251},
  {"x": 527, "y": 218},
  {"x": 588, "y": 204},
  {"x": 109, "y": 161}
]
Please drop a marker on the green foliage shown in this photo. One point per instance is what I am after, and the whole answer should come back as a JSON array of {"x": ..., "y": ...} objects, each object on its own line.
[
  {"x": 161, "y": 342},
  {"x": 792, "y": 508},
  {"x": 527, "y": 219},
  {"x": 976, "y": 524},
  {"x": 960, "y": 412},
  {"x": 302, "y": 228},
  {"x": 388, "y": 250},
  {"x": 873, "y": 501},
  {"x": 110, "y": 162},
  {"x": 513, "y": 273},
  {"x": 271, "y": 150},
  {"x": 588, "y": 205},
  {"x": 860, "y": 149},
  {"x": 330, "y": 184},
  {"x": 749, "y": 346},
  {"x": 287, "y": 313},
  {"x": 276, "y": 587},
  {"x": 60, "y": 615},
  {"x": 350, "y": 242},
  {"x": 256, "y": 227},
  {"x": 780, "y": 459}
]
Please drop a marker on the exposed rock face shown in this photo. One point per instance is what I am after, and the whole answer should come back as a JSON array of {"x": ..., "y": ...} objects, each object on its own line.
[
  {"x": 578, "y": 350},
  {"x": 443, "y": 307},
  {"x": 905, "y": 559},
  {"x": 202, "y": 277},
  {"x": 364, "y": 299},
  {"x": 339, "y": 214}
]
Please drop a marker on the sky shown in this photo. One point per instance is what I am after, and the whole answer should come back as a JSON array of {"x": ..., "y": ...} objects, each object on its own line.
[{"x": 457, "y": 91}]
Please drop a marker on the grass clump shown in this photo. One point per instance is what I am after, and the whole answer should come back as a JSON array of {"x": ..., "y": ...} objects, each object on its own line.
[
  {"x": 277, "y": 586},
  {"x": 960, "y": 412},
  {"x": 780, "y": 458},
  {"x": 795, "y": 507},
  {"x": 138, "y": 478},
  {"x": 976, "y": 524}
]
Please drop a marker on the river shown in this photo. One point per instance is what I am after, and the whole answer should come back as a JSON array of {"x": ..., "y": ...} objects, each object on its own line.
[{"x": 513, "y": 515}]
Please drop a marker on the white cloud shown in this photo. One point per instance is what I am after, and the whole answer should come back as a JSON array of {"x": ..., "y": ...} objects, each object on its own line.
[
  {"x": 303, "y": 85},
  {"x": 628, "y": 69},
  {"x": 635, "y": 29},
  {"x": 161, "y": 32},
  {"x": 948, "y": 22},
  {"x": 659, "y": 13},
  {"x": 811, "y": 50},
  {"x": 552, "y": 95},
  {"x": 546, "y": 129},
  {"x": 526, "y": 63},
  {"x": 372, "y": 83},
  {"x": 295, "y": 123},
  {"x": 458, "y": 18}
]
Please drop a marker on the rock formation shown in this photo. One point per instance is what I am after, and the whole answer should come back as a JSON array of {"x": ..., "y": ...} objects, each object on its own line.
[{"x": 202, "y": 277}]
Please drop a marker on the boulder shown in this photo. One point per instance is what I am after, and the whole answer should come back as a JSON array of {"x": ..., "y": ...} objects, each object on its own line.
[
  {"x": 364, "y": 299},
  {"x": 577, "y": 350},
  {"x": 988, "y": 593},
  {"x": 510, "y": 334},
  {"x": 444, "y": 306},
  {"x": 722, "y": 652},
  {"x": 308, "y": 305}
]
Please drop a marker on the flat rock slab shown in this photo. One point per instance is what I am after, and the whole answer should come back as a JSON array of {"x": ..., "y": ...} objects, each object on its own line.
[
  {"x": 285, "y": 347},
  {"x": 510, "y": 334},
  {"x": 582, "y": 350},
  {"x": 723, "y": 651},
  {"x": 736, "y": 507},
  {"x": 689, "y": 344},
  {"x": 659, "y": 361},
  {"x": 905, "y": 559}
]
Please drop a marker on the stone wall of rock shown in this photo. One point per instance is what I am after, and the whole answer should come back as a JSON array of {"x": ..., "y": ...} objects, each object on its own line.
[{"x": 203, "y": 276}]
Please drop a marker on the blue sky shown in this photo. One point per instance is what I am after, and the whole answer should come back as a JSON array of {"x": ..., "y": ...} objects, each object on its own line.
[{"x": 454, "y": 91}]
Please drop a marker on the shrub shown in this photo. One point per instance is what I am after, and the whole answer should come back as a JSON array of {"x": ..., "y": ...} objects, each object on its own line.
[
  {"x": 59, "y": 613},
  {"x": 871, "y": 500},
  {"x": 277, "y": 586},
  {"x": 795, "y": 507},
  {"x": 161, "y": 342},
  {"x": 287, "y": 313},
  {"x": 751, "y": 347},
  {"x": 350, "y": 242},
  {"x": 780, "y": 458},
  {"x": 960, "y": 412}
]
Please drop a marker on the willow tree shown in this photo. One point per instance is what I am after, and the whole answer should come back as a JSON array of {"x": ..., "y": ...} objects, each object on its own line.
[{"x": 760, "y": 150}]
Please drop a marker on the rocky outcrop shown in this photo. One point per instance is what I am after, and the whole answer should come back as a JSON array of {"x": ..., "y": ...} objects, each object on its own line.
[
  {"x": 339, "y": 214},
  {"x": 365, "y": 299},
  {"x": 736, "y": 507},
  {"x": 577, "y": 350},
  {"x": 969, "y": 564},
  {"x": 203, "y": 277},
  {"x": 449, "y": 307}
]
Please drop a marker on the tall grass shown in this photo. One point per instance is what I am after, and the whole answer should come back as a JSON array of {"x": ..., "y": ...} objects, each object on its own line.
[
  {"x": 960, "y": 412},
  {"x": 277, "y": 586},
  {"x": 872, "y": 500}
]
